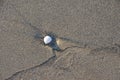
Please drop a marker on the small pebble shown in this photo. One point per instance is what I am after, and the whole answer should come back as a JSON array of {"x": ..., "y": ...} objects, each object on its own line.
[{"x": 47, "y": 39}]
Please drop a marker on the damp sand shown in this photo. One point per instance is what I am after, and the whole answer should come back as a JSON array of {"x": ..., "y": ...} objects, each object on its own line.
[{"x": 91, "y": 25}]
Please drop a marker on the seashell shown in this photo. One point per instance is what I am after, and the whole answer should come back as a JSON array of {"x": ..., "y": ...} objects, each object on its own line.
[{"x": 47, "y": 39}]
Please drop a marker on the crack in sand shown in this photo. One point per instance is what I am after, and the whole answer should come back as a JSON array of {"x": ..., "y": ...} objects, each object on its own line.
[
  {"x": 52, "y": 60},
  {"x": 48, "y": 62},
  {"x": 39, "y": 35}
]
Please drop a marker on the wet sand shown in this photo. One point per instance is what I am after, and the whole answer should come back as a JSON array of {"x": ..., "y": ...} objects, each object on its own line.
[
  {"x": 92, "y": 26},
  {"x": 76, "y": 64}
]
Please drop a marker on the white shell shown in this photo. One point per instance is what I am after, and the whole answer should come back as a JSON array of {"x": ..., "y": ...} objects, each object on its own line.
[{"x": 47, "y": 39}]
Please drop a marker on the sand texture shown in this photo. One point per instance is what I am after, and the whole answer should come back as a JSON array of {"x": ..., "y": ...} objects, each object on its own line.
[
  {"x": 76, "y": 64},
  {"x": 87, "y": 32}
]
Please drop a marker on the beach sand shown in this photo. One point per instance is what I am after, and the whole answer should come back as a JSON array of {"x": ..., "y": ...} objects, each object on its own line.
[{"x": 88, "y": 29}]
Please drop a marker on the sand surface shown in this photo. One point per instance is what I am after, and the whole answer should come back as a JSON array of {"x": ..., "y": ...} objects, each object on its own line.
[
  {"x": 88, "y": 30},
  {"x": 76, "y": 64}
]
